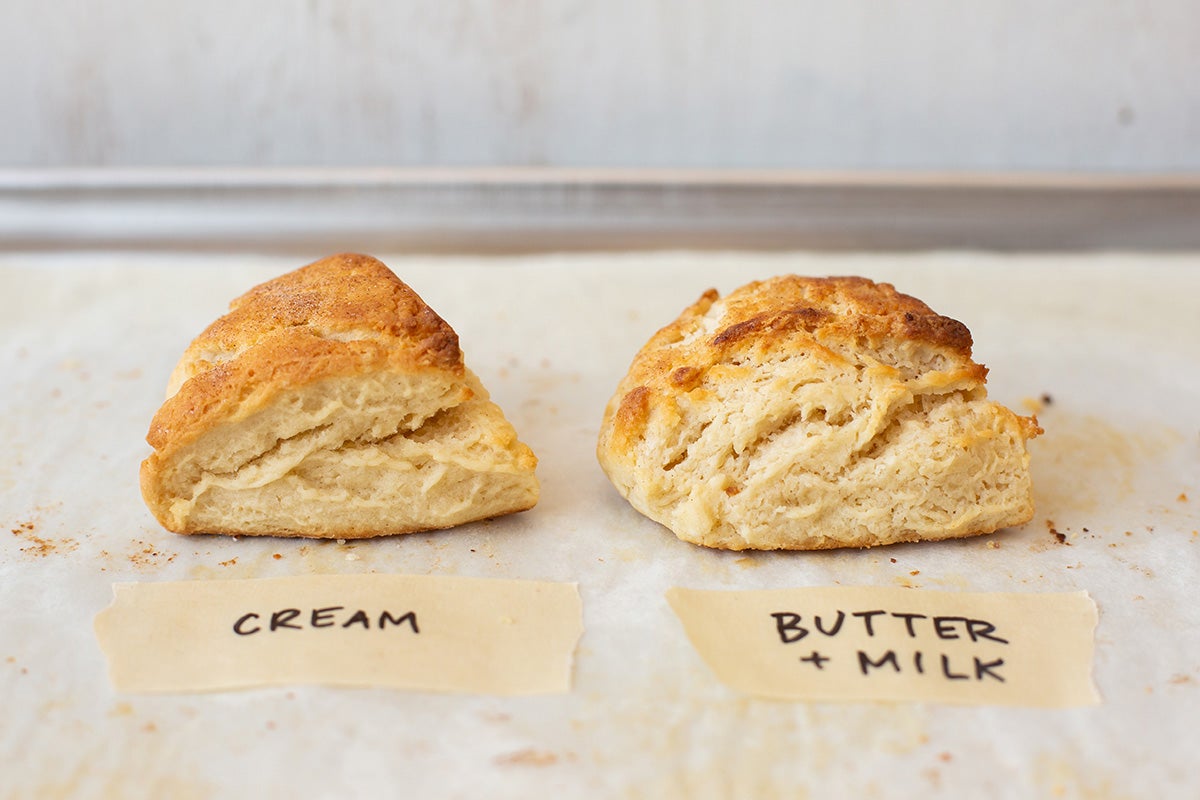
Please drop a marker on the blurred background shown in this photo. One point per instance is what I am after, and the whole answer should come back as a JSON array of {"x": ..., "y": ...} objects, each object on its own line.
[
  {"x": 878, "y": 84},
  {"x": 936, "y": 88}
]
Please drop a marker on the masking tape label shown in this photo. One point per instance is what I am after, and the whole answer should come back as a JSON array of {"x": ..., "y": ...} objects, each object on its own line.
[
  {"x": 865, "y": 643},
  {"x": 444, "y": 634}
]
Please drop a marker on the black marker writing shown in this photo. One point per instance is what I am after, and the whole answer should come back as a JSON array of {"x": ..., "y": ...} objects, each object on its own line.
[
  {"x": 865, "y": 662},
  {"x": 790, "y": 626},
  {"x": 982, "y": 669},
  {"x": 283, "y": 619},
  {"x": 410, "y": 618},
  {"x": 866, "y": 618},
  {"x": 816, "y": 659},
  {"x": 946, "y": 670},
  {"x": 841, "y": 617},
  {"x": 318, "y": 618},
  {"x": 985, "y": 668},
  {"x": 908, "y": 622}
]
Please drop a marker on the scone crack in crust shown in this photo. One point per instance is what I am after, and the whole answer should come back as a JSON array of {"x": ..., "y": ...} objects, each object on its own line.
[
  {"x": 808, "y": 413},
  {"x": 331, "y": 402}
]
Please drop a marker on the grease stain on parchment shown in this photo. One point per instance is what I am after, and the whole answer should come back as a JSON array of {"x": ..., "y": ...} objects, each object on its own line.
[
  {"x": 708, "y": 743},
  {"x": 1083, "y": 462},
  {"x": 1058, "y": 778},
  {"x": 143, "y": 773}
]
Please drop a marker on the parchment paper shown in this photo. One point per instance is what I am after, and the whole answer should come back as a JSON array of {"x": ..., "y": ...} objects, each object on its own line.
[{"x": 1112, "y": 342}]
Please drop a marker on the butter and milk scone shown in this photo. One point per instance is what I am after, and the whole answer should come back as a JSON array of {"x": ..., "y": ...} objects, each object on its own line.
[
  {"x": 331, "y": 402},
  {"x": 810, "y": 413}
]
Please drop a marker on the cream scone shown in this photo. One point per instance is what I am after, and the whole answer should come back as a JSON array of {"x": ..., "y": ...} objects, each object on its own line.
[
  {"x": 811, "y": 413},
  {"x": 331, "y": 402}
]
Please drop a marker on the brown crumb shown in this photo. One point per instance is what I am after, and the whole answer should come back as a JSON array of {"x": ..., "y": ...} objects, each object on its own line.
[
  {"x": 1183, "y": 498},
  {"x": 893, "y": 560},
  {"x": 1129, "y": 533},
  {"x": 1047, "y": 400},
  {"x": 38, "y": 546},
  {"x": 1061, "y": 537},
  {"x": 276, "y": 556},
  {"x": 915, "y": 572},
  {"x": 944, "y": 756},
  {"x": 149, "y": 556},
  {"x": 1181, "y": 679},
  {"x": 228, "y": 563}
]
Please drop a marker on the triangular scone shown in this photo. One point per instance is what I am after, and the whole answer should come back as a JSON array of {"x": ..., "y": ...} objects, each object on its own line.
[
  {"x": 810, "y": 413},
  {"x": 331, "y": 402}
]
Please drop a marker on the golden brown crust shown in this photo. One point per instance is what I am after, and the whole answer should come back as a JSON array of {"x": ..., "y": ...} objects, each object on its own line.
[
  {"x": 633, "y": 412},
  {"x": 821, "y": 316},
  {"x": 842, "y": 307},
  {"x": 1030, "y": 428},
  {"x": 338, "y": 316},
  {"x": 343, "y": 296},
  {"x": 340, "y": 294}
]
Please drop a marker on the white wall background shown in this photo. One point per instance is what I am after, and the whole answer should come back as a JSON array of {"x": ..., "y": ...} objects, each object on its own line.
[{"x": 862, "y": 84}]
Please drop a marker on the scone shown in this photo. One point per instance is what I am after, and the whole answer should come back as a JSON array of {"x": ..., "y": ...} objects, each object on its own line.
[
  {"x": 810, "y": 413},
  {"x": 331, "y": 402}
]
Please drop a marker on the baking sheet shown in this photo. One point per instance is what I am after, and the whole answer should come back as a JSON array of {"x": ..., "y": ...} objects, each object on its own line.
[{"x": 1109, "y": 345}]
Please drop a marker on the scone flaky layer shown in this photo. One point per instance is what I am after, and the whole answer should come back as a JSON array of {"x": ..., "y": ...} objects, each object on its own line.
[
  {"x": 804, "y": 413},
  {"x": 331, "y": 403}
]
